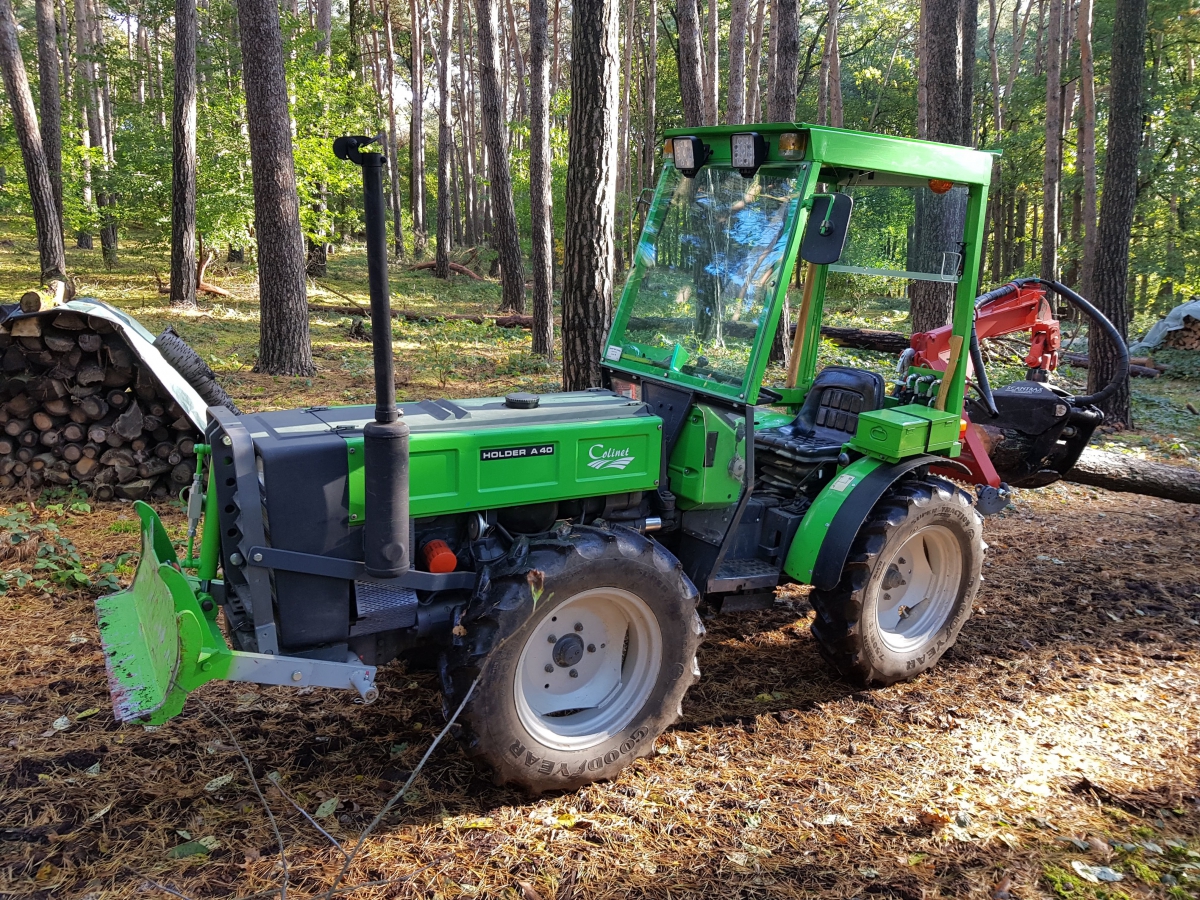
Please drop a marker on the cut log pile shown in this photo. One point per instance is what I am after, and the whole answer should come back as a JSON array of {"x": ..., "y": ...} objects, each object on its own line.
[
  {"x": 76, "y": 406},
  {"x": 1186, "y": 338}
]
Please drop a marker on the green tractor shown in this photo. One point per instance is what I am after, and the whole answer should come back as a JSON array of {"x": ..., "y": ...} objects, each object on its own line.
[{"x": 548, "y": 553}]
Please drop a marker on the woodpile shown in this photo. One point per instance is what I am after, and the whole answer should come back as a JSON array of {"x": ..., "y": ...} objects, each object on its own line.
[
  {"x": 1186, "y": 338},
  {"x": 77, "y": 407}
]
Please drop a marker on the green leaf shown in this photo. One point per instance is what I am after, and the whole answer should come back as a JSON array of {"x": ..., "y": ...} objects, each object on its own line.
[
  {"x": 327, "y": 808},
  {"x": 191, "y": 848}
]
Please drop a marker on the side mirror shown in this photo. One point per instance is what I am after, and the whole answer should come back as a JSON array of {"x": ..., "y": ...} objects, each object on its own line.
[{"x": 828, "y": 227}]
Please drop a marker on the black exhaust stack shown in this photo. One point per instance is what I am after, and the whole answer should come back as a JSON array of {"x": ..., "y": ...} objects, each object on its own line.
[{"x": 385, "y": 441}]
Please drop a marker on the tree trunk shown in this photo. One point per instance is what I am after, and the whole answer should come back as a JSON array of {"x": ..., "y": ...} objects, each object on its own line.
[
  {"x": 416, "y": 133},
  {"x": 591, "y": 192},
  {"x": 752, "y": 108},
  {"x": 781, "y": 94},
  {"x": 829, "y": 98},
  {"x": 1052, "y": 170},
  {"x": 735, "y": 104},
  {"x": 1118, "y": 472},
  {"x": 445, "y": 223},
  {"x": 49, "y": 100},
  {"x": 968, "y": 28},
  {"x": 325, "y": 26},
  {"x": 37, "y": 173},
  {"x": 1111, "y": 273},
  {"x": 623, "y": 173},
  {"x": 183, "y": 158},
  {"x": 712, "y": 67},
  {"x": 932, "y": 301},
  {"x": 284, "y": 347},
  {"x": 393, "y": 149},
  {"x": 507, "y": 240},
  {"x": 514, "y": 40},
  {"x": 650, "y": 142},
  {"x": 687, "y": 15},
  {"x": 466, "y": 112},
  {"x": 540, "y": 197},
  {"x": 1085, "y": 160},
  {"x": 554, "y": 82}
]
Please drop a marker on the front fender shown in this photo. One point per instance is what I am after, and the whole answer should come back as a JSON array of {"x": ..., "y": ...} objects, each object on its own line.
[{"x": 822, "y": 542}]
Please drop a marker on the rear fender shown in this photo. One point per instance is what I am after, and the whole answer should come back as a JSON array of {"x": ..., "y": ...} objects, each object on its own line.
[{"x": 822, "y": 543}]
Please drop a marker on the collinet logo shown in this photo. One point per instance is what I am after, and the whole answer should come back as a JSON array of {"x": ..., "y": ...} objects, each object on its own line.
[{"x": 608, "y": 458}]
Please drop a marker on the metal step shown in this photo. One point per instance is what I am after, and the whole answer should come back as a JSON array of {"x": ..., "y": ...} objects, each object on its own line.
[
  {"x": 743, "y": 574},
  {"x": 383, "y": 608}
]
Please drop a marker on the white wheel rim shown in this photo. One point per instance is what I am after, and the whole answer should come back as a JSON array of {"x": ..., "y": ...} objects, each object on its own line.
[
  {"x": 611, "y": 640},
  {"x": 919, "y": 587}
]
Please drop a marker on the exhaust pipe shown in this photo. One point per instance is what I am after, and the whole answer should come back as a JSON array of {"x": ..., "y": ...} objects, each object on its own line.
[{"x": 385, "y": 441}]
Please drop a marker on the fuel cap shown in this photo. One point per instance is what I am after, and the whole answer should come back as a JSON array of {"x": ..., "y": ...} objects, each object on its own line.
[{"x": 522, "y": 400}]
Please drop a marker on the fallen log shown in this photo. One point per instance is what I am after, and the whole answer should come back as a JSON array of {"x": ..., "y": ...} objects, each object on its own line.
[
  {"x": 454, "y": 267},
  {"x": 1082, "y": 361},
  {"x": 1130, "y": 475},
  {"x": 406, "y": 314},
  {"x": 514, "y": 321},
  {"x": 866, "y": 339}
]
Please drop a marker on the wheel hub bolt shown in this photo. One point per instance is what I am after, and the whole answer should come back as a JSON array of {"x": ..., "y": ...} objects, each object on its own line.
[
  {"x": 579, "y": 626},
  {"x": 573, "y": 673},
  {"x": 551, "y": 639},
  {"x": 549, "y": 667},
  {"x": 591, "y": 648}
]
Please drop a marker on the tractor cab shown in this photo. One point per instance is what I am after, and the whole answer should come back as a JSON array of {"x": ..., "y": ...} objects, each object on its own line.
[{"x": 739, "y": 215}]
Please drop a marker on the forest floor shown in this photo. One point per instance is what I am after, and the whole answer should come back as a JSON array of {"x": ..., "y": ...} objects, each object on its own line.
[{"x": 1056, "y": 746}]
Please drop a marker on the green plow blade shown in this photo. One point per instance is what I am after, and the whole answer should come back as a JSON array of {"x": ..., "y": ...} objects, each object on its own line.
[{"x": 158, "y": 644}]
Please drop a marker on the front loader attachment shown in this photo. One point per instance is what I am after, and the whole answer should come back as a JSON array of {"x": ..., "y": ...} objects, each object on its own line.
[
  {"x": 158, "y": 642},
  {"x": 162, "y": 640}
]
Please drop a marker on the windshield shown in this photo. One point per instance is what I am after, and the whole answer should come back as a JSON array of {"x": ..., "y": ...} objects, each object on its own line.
[{"x": 706, "y": 270}]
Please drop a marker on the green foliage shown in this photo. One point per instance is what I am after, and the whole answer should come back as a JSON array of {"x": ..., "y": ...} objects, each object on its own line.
[{"x": 38, "y": 555}]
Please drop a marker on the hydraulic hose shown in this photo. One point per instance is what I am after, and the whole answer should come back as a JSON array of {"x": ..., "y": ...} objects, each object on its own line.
[
  {"x": 1122, "y": 371},
  {"x": 981, "y": 375}
]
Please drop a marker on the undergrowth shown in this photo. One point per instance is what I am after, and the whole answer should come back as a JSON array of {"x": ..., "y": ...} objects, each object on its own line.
[{"x": 37, "y": 554}]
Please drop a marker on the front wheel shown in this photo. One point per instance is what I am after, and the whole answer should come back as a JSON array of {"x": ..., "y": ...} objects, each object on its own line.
[
  {"x": 907, "y": 589},
  {"x": 583, "y": 659}
]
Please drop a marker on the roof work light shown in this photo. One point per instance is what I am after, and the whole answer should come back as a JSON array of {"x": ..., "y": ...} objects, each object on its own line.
[
  {"x": 748, "y": 151},
  {"x": 690, "y": 154}
]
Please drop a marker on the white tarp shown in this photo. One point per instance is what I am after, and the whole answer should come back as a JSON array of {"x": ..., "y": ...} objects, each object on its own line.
[
  {"x": 1172, "y": 322},
  {"x": 141, "y": 342}
]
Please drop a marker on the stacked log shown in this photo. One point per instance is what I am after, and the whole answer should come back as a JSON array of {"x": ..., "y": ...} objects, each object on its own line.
[
  {"x": 1186, "y": 338},
  {"x": 78, "y": 407}
]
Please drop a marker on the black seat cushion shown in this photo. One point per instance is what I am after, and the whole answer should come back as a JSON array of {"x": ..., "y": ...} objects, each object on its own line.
[{"x": 829, "y": 416}]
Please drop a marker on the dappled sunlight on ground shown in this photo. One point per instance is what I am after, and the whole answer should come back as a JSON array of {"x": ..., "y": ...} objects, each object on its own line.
[{"x": 1063, "y": 728}]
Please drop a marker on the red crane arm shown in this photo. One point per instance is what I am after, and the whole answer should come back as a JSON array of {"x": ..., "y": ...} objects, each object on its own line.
[{"x": 1027, "y": 309}]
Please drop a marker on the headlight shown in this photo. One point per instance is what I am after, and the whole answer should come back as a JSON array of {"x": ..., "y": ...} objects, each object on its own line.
[
  {"x": 748, "y": 151},
  {"x": 690, "y": 154}
]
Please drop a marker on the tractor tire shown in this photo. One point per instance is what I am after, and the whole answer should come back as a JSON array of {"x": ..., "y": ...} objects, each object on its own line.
[
  {"x": 195, "y": 371},
  {"x": 908, "y": 585},
  {"x": 613, "y": 617}
]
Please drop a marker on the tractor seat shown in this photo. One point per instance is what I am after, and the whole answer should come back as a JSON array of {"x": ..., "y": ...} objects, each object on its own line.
[{"x": 829, "y": 416}]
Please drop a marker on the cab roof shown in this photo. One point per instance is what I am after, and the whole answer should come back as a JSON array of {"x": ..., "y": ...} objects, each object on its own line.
[{"x": 858, "y": 157}]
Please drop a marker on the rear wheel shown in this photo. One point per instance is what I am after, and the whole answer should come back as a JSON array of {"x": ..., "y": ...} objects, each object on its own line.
[
  {"x": 908, "y": 585},
  {"x": 581, "y": 666}
]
